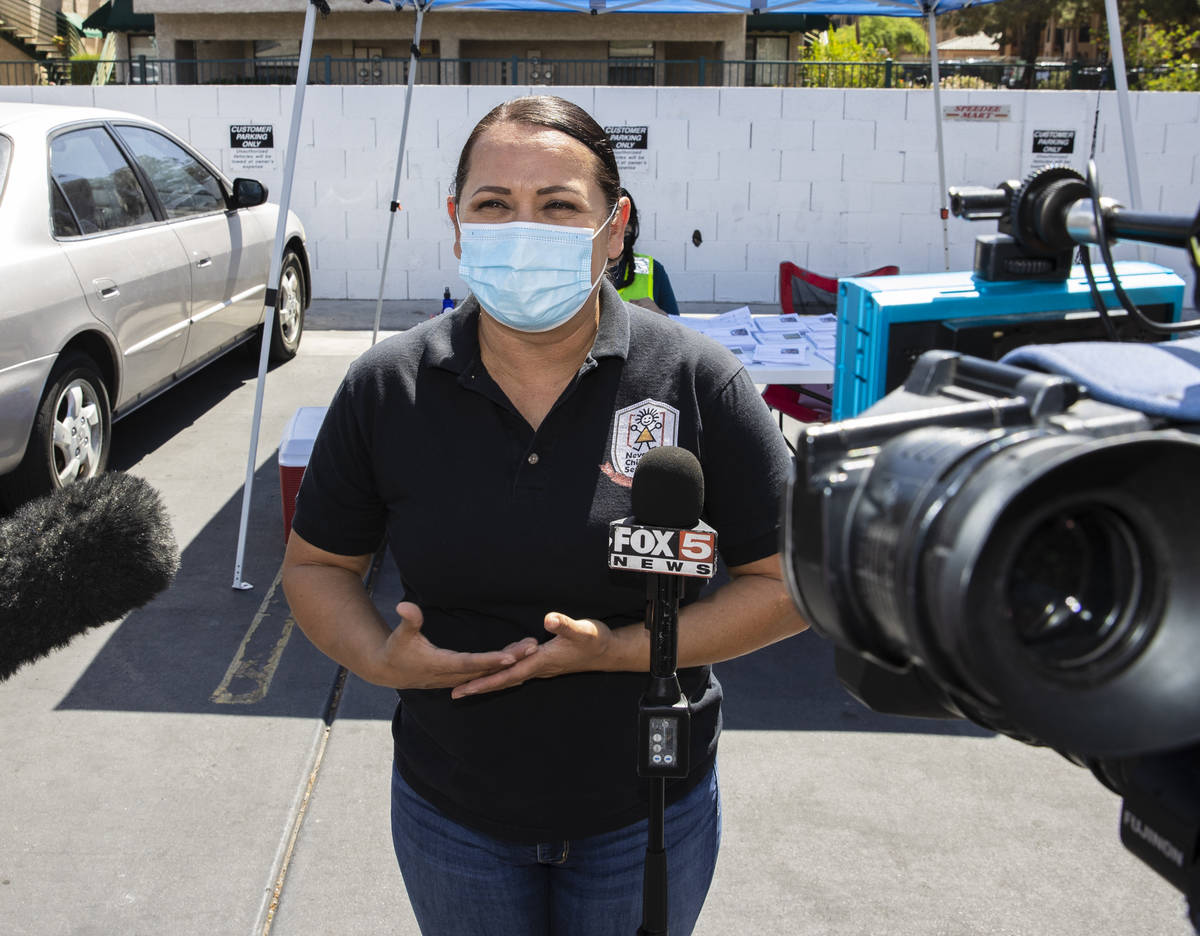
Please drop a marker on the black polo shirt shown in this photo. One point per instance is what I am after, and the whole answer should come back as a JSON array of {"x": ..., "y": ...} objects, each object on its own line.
[{"x": 492, "y": 525}]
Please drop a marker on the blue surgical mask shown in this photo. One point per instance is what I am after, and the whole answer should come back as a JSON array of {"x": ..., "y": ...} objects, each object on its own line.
[{"x": 531, "y": 277}]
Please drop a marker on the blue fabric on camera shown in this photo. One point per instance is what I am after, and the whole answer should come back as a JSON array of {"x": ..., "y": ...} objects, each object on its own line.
[{"x": 1160, "y": 379}]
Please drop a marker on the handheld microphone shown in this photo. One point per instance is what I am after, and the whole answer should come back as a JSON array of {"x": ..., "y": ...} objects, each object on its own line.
[
  {"x": 666, "y": 539},
  {"x": 665, "y": 535},
  {"x": 85, "y": 555}
]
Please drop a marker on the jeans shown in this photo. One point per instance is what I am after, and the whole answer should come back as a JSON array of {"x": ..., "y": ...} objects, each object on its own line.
[{"x": 463, "y": 883}]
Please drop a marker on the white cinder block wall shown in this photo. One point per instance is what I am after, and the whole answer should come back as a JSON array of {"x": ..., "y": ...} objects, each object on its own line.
[{"x": 836, "y": 180}]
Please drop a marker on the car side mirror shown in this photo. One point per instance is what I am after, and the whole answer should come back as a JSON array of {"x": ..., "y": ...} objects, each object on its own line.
[{"x": 247, "y": 193}]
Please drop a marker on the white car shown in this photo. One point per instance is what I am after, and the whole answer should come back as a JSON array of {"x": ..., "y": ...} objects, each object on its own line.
[{"x": 127, "y": 262}]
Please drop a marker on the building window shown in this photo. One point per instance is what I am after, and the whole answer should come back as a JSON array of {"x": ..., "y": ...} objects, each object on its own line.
[
  {"x": 770, "y": 58},
  {"x": 631, "y": 62},
  {"x": 143, "y": 55},
  {"x": 276, "y": 62}
]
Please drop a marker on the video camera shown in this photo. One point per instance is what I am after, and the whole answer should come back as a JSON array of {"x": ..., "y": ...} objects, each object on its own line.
[{"x": 1020, "y": 548}]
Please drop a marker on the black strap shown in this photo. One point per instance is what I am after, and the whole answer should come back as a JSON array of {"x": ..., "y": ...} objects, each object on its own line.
[
  {"x": 395, "y": 206},
  {"x": 270, "y": 298}
]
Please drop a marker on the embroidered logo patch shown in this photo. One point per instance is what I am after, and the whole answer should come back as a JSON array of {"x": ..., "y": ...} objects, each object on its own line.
[{"x": 639, "y": 428}]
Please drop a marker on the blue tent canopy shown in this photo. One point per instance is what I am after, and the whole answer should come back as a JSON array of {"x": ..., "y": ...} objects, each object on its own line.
[{"x": 738, "y": 7}]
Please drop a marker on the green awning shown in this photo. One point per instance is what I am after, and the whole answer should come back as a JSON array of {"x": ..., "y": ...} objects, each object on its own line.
[
  {"x": 118, "y": 16},
  {"x": 77, "y": 21},
  {"x": 785, "y": 22}
]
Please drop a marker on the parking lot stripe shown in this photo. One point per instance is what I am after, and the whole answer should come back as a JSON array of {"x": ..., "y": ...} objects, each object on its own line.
[{"x": 253, "y": 666}]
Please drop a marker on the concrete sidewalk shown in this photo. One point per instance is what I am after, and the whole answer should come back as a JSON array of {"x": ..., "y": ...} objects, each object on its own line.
[{"x": 194, "y": 770}]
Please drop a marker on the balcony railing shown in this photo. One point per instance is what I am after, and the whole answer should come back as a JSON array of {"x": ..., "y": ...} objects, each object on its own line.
[{"x": 699, "y": 72}]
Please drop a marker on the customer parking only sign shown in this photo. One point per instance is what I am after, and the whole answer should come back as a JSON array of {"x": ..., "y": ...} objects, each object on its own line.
[
  {"x": 253, "y": 146},
  {"x": 1051, "y": 147},
  {"x": 630, "y": 146}
]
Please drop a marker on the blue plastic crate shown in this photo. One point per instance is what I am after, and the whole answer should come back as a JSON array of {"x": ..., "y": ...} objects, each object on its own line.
[{"x": 886, "y": 322}]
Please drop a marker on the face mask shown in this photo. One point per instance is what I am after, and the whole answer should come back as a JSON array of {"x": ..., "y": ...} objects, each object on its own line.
[{"x": 531, "y": 277}]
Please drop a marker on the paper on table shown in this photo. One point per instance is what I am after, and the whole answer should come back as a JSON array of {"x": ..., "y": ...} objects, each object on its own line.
[
  {"x": 784, "y": 322},
  {"x": 781, "y": 354},
  {"x": 692, "y": 322},
  {"x": 744, "y": 341},
  {"x": 794, "y": 336},
  {"x": 822, "y": 323},
  {"x": 734, "y": 318}
]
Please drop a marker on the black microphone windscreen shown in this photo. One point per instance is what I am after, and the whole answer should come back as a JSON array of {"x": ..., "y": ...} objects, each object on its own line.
[
  {"x": 668, "y": 488},
  {"x": 83, "y": 556}
]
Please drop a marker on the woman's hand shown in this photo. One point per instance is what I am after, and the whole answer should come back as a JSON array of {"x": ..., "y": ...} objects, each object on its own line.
[
  {"x": 407, "y": 660},
  {"x": 577, "y": 646}
]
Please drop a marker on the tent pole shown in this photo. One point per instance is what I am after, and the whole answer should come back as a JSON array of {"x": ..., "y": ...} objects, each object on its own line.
[
  {"x": 395, "y": 205},
  {"x": 270, "y": 310},
  {"x": 936, "y": 78},
  {"x": 1121, "y": 80}
]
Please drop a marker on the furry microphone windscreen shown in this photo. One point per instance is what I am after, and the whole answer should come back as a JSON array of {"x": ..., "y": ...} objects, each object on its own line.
[{"x": 83, "y": 556}]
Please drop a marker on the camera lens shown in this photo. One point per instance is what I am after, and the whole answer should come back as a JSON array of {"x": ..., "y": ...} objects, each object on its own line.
[{"x": 1074, "y": 589}]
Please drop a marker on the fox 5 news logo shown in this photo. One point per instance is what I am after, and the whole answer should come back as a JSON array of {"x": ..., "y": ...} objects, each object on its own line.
[{"x": 657, "y": 549}]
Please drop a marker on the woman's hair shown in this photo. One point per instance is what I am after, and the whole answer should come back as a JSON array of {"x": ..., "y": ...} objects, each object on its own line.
[
  {"x": 554, "y": 113},
  {"x": 623, "y": 269}
]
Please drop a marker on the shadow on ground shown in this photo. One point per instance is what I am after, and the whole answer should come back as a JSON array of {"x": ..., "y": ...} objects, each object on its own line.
[{"x": 176, "y": 654}]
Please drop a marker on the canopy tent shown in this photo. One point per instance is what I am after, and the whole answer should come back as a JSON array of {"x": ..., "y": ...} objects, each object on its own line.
[{"x": 928, "y": 9}]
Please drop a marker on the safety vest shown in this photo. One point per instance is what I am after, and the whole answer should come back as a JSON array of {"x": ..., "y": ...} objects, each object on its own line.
[{"x": 642, "y": 286}]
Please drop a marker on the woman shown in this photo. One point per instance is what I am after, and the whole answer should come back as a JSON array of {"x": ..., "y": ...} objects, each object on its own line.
[
  {"x": 640, "y": 278},
  {"x": 493, "y": 445}
]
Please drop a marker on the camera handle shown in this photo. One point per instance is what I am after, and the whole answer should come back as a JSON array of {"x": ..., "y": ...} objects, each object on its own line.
[{"x": 664, "y": 731}]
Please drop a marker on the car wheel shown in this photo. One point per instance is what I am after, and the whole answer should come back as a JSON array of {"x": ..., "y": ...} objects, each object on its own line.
[
  {"x": 71, "y": 433},
  {"x": 289, "y": 321}
]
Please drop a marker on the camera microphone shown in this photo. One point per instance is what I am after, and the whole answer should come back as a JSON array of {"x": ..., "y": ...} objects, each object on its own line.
[
  {"x": 85, "y": 555},
  {"x": 1042, "y": 220},
  {"x": 1054, "y": 209}
]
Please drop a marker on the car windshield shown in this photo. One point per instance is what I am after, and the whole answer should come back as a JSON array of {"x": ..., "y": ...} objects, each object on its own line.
[{"x": 5, "y": 154}]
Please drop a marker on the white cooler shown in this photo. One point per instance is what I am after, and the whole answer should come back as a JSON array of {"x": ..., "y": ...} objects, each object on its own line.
[{"x": 295, "y": 448}]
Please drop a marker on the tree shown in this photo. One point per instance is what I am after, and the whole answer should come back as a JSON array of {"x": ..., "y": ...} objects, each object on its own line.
[
  {"x": 840, "y": 60},
  {"x": 899, "y": 35},
  {"x": 1167, "y": 55},
  {"x": 1020, "y": 22}
]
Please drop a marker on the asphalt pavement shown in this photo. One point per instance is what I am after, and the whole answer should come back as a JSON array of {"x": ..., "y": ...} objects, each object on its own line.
[{"x": 199, "y": 769}]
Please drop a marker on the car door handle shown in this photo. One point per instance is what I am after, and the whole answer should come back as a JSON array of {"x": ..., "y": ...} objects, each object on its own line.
[
  {"x": 107, "y": 288},
  {"x": 204, "y": 262}
]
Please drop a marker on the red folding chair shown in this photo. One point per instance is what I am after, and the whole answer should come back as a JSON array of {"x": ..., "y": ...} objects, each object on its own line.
[
  {"x": 807, "y": 293},
  {"x": 804, "y": 292}
]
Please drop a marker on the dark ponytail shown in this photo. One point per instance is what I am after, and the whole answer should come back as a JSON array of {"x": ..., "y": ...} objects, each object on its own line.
[{"x": 623, "y": 273}]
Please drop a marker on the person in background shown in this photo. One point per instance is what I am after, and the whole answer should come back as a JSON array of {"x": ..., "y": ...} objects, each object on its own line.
[
  {"x": 640, "y": 278},
  {"x": 492, "y": 446}
]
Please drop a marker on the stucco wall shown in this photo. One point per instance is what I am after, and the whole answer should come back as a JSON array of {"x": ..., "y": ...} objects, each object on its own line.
[{"x": 836, "y": 180}]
